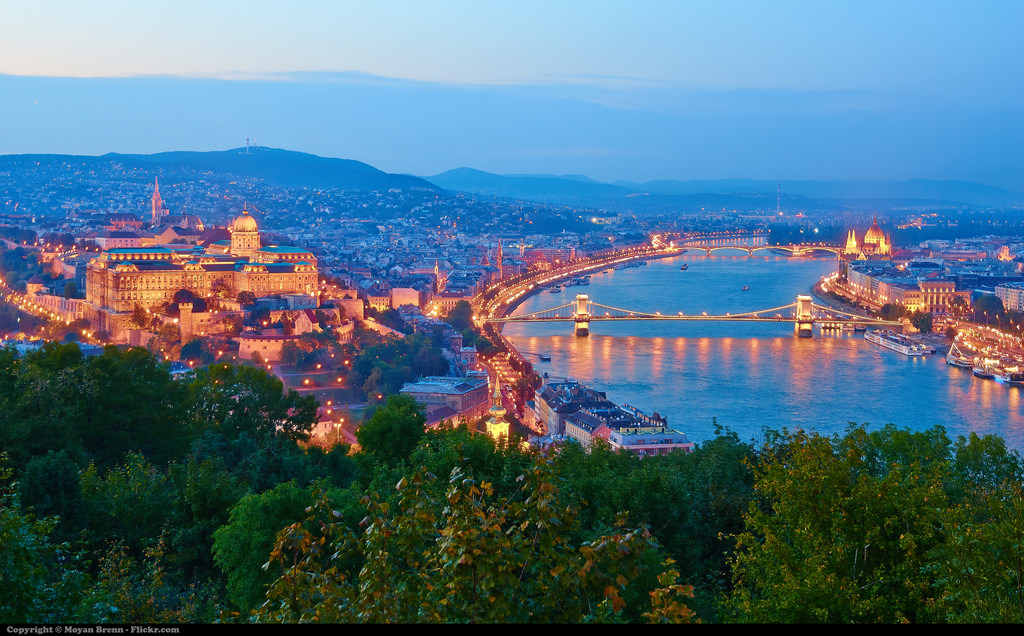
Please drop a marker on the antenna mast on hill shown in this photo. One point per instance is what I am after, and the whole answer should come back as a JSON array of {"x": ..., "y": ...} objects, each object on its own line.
[
  {"x": 246, "y": 145},
  {"x": 778, "y": 201}
]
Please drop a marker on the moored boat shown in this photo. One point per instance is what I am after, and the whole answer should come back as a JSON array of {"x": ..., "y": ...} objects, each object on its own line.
[
  {"x": 895, "y": 342},
  {"x": 1008, "y": 375},
  {"x": 957, "y": 358}
]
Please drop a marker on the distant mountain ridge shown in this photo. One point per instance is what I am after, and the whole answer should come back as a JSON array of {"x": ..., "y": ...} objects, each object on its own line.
[
  {"x": 297, "y": 169},
  {"x": 283, "y": 167},
  {"x": 739, "y": 194}
]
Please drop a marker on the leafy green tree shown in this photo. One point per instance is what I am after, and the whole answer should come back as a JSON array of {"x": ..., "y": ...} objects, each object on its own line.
[
  {"x": 393, "y": 431},
  {"x": 841, "y": 529},
  {"x": 202, "y": 494},
  {"x": 892, "y": 312},
  {"x": 244, "y": 543},
  {"x": 193, "y": 350},
  {"x": 51, "y": 486},
  {"x": 40, "y": 579},
  {"x": 979, "y": 568},
  {"x": 466, "y": 556},
  {"x": 140, "y": 317},
  {"x": 231, "y": 400},
  {"x": 988, "y": 309},
  {"x": 246, "y": 298},
  {"x": 130, "y": 590},
  {"x": 461, "y": 316},
  {"x": 922, "y": 321},
  {"x": 290, "y": 353},
  {"x": 127, "y": 504}
]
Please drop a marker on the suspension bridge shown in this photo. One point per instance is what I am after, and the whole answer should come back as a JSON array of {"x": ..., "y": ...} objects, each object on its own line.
[{"x": 804, "y": 314}]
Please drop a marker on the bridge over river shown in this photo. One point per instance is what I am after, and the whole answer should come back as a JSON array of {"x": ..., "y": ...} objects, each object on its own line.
[{"x": 804, "y": 314}]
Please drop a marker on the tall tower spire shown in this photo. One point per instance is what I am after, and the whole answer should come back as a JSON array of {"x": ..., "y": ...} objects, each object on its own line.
[
  {"x": 158, "y": 203},
  {"x": 501, "y": 258},
  {"x": 497, "y": 425}
]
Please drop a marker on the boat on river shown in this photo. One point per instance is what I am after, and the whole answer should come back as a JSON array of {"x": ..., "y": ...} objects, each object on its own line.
[
  {"x": 895, "y": 342},
  {"x": 957, "y": 358},
  {"x": 1008, "y": 375},
  {"x": 684, "y": 267},
  {"x": 984, "y": 372}
]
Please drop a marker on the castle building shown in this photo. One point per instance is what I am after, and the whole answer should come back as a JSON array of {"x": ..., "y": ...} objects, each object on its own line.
[{"x": 119, "y": 279}]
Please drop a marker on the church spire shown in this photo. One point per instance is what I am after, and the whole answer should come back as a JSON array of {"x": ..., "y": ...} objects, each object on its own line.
[
  {"x": 497, "y": 425},
  {"x": 157, "y": 202},
  {"x": 501, "y": 258}
]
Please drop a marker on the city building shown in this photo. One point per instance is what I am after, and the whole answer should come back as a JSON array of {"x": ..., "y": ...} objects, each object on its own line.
[
  {"x": 466, "y": 397},
  {"x": 120, "y": 279},
  {"x": 875, "y": 245},
  {"x": 1012, "y": 296}
]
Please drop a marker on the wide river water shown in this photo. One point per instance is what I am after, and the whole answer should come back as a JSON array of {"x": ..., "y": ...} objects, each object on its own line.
[{"x": 747, "y": 376}]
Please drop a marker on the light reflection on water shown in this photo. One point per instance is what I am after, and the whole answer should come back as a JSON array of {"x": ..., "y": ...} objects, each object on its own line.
[{"x": 749, "y": 375}]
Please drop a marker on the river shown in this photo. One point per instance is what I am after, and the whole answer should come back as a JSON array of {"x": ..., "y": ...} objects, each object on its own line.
[{"x": 747, "y": 376}]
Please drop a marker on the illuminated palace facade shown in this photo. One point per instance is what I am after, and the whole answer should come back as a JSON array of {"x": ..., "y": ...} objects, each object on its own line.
[{"x": 120, "y": 279}]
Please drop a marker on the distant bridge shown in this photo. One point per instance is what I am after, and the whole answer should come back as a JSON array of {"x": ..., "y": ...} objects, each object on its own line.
[
  {"x": 803, "y": 313},
  {"x": 751, "y": 244}
]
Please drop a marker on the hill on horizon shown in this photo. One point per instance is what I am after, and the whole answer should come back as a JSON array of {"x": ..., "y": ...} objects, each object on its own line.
[
  {"x": 299, "y": 169},
  {"x": 739, "y": 194},
  {"x": 284, "y": 167}
]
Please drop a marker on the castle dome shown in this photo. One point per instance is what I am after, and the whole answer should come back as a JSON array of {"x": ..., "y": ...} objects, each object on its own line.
[{"x": 244, "y": 222}]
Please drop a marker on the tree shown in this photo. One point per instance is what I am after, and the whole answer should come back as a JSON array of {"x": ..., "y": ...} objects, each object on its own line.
[
  {"x": 220, "y": 288},
  {"x": 841, "y": 529},
  {"x": 922, "y": 321},
  {"x": 461, "y": 316},
  {"x": 246, "y": 298},
  {"x": 979, "y": 568},
  {"x": 233, "y": 400},
  {"x": 892, "y": 312},
  {"x": 193, "y": 350},
  {"x": 41, "y": 579},
  {"x": 465, "y": 555},
  {"x": 244, "y": 544},
  {"x": 70, "y": 289},
  {"x": 140, "y": 317},
  {"x": 393, "y": 431},
  {"x": 988, "y": 309}
]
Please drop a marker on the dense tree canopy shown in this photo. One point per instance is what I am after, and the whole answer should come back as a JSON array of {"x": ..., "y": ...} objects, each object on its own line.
[{"x": 126, "y": 495}]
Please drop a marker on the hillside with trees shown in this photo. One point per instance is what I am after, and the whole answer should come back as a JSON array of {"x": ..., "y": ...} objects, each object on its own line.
[{"x": 127, "y": 496}]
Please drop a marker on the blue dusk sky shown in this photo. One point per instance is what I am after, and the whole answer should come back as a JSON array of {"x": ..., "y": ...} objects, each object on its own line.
[{"x": 634, "y": 90}]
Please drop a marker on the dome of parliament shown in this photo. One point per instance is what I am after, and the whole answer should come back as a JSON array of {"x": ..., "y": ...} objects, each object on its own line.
[
  {"x": 244, "y": 223},
  {"x": 874, "y": 235}
]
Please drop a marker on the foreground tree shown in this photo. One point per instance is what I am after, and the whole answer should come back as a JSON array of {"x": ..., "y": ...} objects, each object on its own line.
[
  {"x": 840, "y": 529},
  {"x": 465, "y": 556}
]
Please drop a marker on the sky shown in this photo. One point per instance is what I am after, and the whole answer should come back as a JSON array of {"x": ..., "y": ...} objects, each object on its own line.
[{"x": 638, "y": 90}]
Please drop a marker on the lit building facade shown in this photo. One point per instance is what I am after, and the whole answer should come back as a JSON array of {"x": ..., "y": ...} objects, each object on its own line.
[
  {"x": 1012, "y": 296},
  {"x": 119, "y": 279},
  {"x": 875, "y": 245}
]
